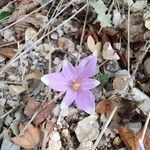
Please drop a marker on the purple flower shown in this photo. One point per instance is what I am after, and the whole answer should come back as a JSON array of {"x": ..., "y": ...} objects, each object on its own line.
[
  {"x": 141, "y": 145},
  {"x": 76, "y": 82}
]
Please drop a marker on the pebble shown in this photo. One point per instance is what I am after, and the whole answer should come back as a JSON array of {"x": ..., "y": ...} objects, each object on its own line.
[
  {"x": 8, "y": 120},
  {"x": 54, "y": 36},
  {"x": 29, "y": 34},
  {"x": 86, "y": 145},
  {"x": 55, "y": 136},
  {"x": 56, "y": 61},
  {"x": 3, "y": 86},
  {"x": 16, "y": 90},
  {"x": 135, "y": 127},
  {"x": 142, "y": 99},
  {"x": 2, "y": 58},
  {"x": 2, "y": 102},
  {"x": 53, "y": 145},
  {"x": 84, "y": 128},
  {"x": 13, "y": 77}
]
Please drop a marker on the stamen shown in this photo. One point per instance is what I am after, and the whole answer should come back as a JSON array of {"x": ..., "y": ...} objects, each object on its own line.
[{"x": 75, "y": 85}]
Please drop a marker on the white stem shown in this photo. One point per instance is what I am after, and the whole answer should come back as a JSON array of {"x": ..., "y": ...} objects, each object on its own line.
[{"x": 145, "y": 127}]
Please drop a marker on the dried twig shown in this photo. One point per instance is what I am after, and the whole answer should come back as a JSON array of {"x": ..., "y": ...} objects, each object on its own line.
[{"x": 104, "y": 129}]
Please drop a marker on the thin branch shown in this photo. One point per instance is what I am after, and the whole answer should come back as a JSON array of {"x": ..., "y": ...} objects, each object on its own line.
[
  {"x": 128, "y": 40},
  {"x": 104, "y": 129}
]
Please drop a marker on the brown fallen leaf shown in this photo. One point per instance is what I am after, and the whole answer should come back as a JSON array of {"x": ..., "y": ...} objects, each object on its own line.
[
  {"x": 31, "y": 137},
  {"x": 146, "y": 138},
  {"x": 24, "y": 7},
  {"x": 21, "y": 26},
  {"x": 7, "y": 52},
  {"x": 66, "y": 44},
  {"x": 48, "y": 125},
  {"x": 109, "y": 53},
  {"x": 94, "y": 46},
  {"x": 31, "y": 107},
  {"x": 146, "y": 66},
  {"x": 43, "y": 113},
  {"x": 106, "y": 107},
  {"x": 129, "y": 139}
]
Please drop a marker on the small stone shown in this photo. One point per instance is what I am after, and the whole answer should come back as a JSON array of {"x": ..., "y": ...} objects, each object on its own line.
[
  {"x": 65, "y": 132},
  {"x": 29, "y": 34},
  {"x": 13, "y": 77},
  {"x": 56, "y": 111},
  {"x": 142, "y": 99},
  {"x": 55, "y": 136},
  {"x": 86, "y": 145},
  {"x": 8, "y": 34},
  {"x": 8, "y": 120},
  {"x": 135, "y": 127},
  {"x": 3, "y": 86},
  {"x": 16, "y": 90},
  {"x": 117, "y": 141},
  {"x": 54, "y": 145},
  {"x": 56, "y": 61},
  {"x": 54, "y": 36},
  {"x": 2, "y": 58},
  {"x": 7, "y": 145},
  {"x": 84, "y": 128},
  {"x": 138, "y": 6},
  {"x": 2, "y": 102}
]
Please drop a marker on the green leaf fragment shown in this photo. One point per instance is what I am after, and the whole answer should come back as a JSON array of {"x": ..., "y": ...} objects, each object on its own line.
[
  {"x": 4, "y": 14},
  {"x": 101, "y": 9},
  {"x": 103, "y": 78}
]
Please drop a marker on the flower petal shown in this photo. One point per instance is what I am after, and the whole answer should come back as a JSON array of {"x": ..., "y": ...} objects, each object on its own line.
[
  {"x": 68, "y": 71},
  {"x": 87, "y": 66},
  {"x": 86, "y": 101},
  {"x": 87, "y": 83},
  {"x": 69, "y": 98},
  {"x": 55, "y": 81},
  {"x": 141, "y": 145}
]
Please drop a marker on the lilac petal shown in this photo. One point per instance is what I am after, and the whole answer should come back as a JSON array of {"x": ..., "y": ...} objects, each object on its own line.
[
  {"x": 87, "y": 66},
  {"x": 69, "y": 98},
  {"x": 68, "y": 71},
  {"x": 55, "y": 81},
  {"x": 141, "y": 146},
  {"x": 86, "y": 101},
  {"x": 87, "y": 83}
]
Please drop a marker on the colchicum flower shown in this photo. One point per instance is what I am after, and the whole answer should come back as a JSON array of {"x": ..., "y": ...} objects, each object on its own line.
[{"x": 76, "y": 82}]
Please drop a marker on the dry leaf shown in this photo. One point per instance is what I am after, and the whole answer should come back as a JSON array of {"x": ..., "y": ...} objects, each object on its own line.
[
  {"x": 31, "y": 107},
  {"x": 21, "y": 26},
  {"x": 36, "y": 74},
  {"x": 7, "y": 52},
  {"x": 92, "y": 46},
  {"x": 119, "y": 84},
  {"x": 30, "y": 138},
  {"x": 146, "y": 66},
  {"x": 129, "y": 139},
  {"x": 109, "y": 53},
  {"x": 43, "y": 113},
  {"x": 146, "y": 138},
  {"x": 106, "y": 107},
  {"x": 137, "y": 29},
  {"x": 65, "y": 43},
  {"x": 48, "y": 125},
  {"x": 24, "y": 7},
  {"x": 147, "y": 24}
]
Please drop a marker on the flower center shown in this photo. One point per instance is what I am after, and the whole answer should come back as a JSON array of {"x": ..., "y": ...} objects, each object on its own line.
[{"x": 75, "y": 85}]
